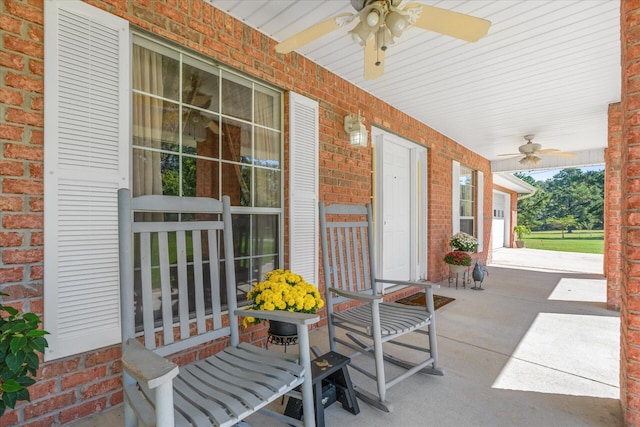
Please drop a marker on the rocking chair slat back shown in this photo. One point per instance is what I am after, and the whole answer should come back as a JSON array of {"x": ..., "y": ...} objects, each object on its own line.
[
  {"x": 174, "y": 281},
  {"x": 347, "y": 250}
]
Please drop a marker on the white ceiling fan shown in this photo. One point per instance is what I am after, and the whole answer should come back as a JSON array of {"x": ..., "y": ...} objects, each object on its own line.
[
  {"x": 381, "y": 21},
  {"x": 532, "y": 152}
]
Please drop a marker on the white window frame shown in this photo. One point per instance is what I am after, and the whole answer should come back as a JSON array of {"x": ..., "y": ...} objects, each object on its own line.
[{"x": 478, "y": 218}]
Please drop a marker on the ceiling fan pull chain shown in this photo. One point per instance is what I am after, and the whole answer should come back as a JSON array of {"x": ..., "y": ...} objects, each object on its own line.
[{"x": 378, "y": 46}]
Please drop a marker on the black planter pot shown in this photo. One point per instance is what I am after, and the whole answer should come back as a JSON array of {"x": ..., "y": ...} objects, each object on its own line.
[{"x": 282, "y": 329}]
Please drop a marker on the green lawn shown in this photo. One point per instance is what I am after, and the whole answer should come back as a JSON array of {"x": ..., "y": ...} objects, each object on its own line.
[{"x": 586, "y": 241}]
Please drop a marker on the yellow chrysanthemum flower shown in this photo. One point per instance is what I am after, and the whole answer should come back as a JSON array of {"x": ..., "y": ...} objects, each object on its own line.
[{"x": 283, "y": 290}]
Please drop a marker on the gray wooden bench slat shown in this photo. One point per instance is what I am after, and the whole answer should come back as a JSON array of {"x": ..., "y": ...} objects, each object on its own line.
[
  {"x": 233, "y": 399},
  {"x": 194, "y": 414},
  {"x": 393, "y": 319},
  {"x": 215, "y": 405},
  {"x": 276, "y": 378},
  {"x": 285, "y": 361},
  {"x": 260, "y": 378},
  {"x": 223, "y": 378}
]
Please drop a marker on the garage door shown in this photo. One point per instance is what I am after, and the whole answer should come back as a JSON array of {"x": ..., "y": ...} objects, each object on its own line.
[{"x": 498, "y": 225}]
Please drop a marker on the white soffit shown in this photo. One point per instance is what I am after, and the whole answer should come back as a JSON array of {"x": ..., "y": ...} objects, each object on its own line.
[
  {"x": 548, "y": 68},
  {"x": 513, "y": 183}
]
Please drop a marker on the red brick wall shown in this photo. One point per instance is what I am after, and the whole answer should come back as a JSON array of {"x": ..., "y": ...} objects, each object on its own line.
[
  {"x": 630, "y": 221},
  {"x": 80, "y": 385},
  {"x": 443, "y": 152},
  {"x": 612, "y": 194}
]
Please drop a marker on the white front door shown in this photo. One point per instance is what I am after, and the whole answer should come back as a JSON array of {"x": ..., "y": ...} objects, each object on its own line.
[
  {"x": 396, "y": 212},
  {"x": 400, "y": 206}
]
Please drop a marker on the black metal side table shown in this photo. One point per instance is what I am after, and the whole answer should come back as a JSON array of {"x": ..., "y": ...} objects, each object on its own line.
[
  {"x": 285, "y": 340},
  {"x": 331, "y": 382}
]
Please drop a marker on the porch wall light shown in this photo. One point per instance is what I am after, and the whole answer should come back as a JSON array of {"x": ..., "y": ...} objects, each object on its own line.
[{"x": 354, "y": 126}]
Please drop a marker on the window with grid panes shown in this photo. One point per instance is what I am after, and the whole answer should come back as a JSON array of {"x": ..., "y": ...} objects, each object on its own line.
[
  {"x": 467, "y": 200},
  {"x": 201, "y": 130}
]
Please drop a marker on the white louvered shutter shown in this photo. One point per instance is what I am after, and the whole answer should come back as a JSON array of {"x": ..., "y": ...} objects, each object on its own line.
[
  {"x": 480, "y": 211},
  {"x": 86, "y": 160},
  {"x": 303, "y": 187},
  {"x": 455, "y": 197}
]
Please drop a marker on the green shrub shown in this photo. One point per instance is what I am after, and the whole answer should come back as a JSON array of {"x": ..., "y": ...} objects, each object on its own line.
[
  {"x": 20, "y": 341},
  {"x": 521, "y": 230}
]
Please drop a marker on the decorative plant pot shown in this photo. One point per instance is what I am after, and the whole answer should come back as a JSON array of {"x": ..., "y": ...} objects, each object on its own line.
[
  {"x": 282, "y": 329},
  {"x": 519, "y": 243},
  {"x": 456, "y": 270},
  {"x": 282, "y": 333}
]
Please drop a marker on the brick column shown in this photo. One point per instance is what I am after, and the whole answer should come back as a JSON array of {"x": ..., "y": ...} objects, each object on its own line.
[
  {"x": 612, "y": 197},
  {"x": 630, "y": 213}
]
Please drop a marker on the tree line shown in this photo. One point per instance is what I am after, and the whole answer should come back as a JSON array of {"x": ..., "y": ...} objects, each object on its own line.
[{"x": 571, "y": 199}]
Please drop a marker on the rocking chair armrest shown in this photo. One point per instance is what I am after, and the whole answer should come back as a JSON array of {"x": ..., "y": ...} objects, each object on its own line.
[
  {"x": 145, "y": 366},
  {"x": 424, "y": 285},
  {"x": 358, "y": 296},
  {"x": 282, "y": 316}
]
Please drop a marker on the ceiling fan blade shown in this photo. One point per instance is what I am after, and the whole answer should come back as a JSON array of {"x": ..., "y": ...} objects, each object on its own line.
[
  {"x": 558, "y": 153},
  {"x": 450, "y": 23},
  {"x": 373, "y": 60},
  {"x": 548, "y": 151},
  {"x": 313, "y": 32},
  {"x": 510, "y": 154}
]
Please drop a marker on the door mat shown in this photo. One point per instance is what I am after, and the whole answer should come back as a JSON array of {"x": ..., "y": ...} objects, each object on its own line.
[{"x": 419, "y": 299}]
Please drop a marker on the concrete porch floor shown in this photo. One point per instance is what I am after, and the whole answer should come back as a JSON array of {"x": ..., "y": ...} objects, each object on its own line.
[{"x": 537, "y": 347}]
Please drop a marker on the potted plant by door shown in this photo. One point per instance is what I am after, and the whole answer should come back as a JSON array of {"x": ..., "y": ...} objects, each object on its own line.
[
  {"x": 458, "y": 262},
  {"x": 463, "y": 242},
  {"x": 520, "y": 231}
]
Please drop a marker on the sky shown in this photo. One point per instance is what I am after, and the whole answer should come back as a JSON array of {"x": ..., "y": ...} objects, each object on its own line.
[{"x": 543, "y": 175}]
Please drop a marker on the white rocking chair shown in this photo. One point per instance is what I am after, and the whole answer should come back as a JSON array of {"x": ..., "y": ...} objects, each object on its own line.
[
  {"x": 371, "y": 324},
  {"x": 178, "y": 297}
]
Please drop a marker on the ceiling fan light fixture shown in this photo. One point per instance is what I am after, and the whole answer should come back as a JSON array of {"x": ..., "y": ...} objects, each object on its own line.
[
  {"x": 530, "y": 160},
  {"x": 396, "y": 23},
  {"x": 373, "y": 18},
  {"x": 361, "y": 33}
]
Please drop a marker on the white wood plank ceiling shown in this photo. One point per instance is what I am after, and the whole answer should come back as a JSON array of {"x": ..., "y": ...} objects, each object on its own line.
[{"x": 546, "y": 67}]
